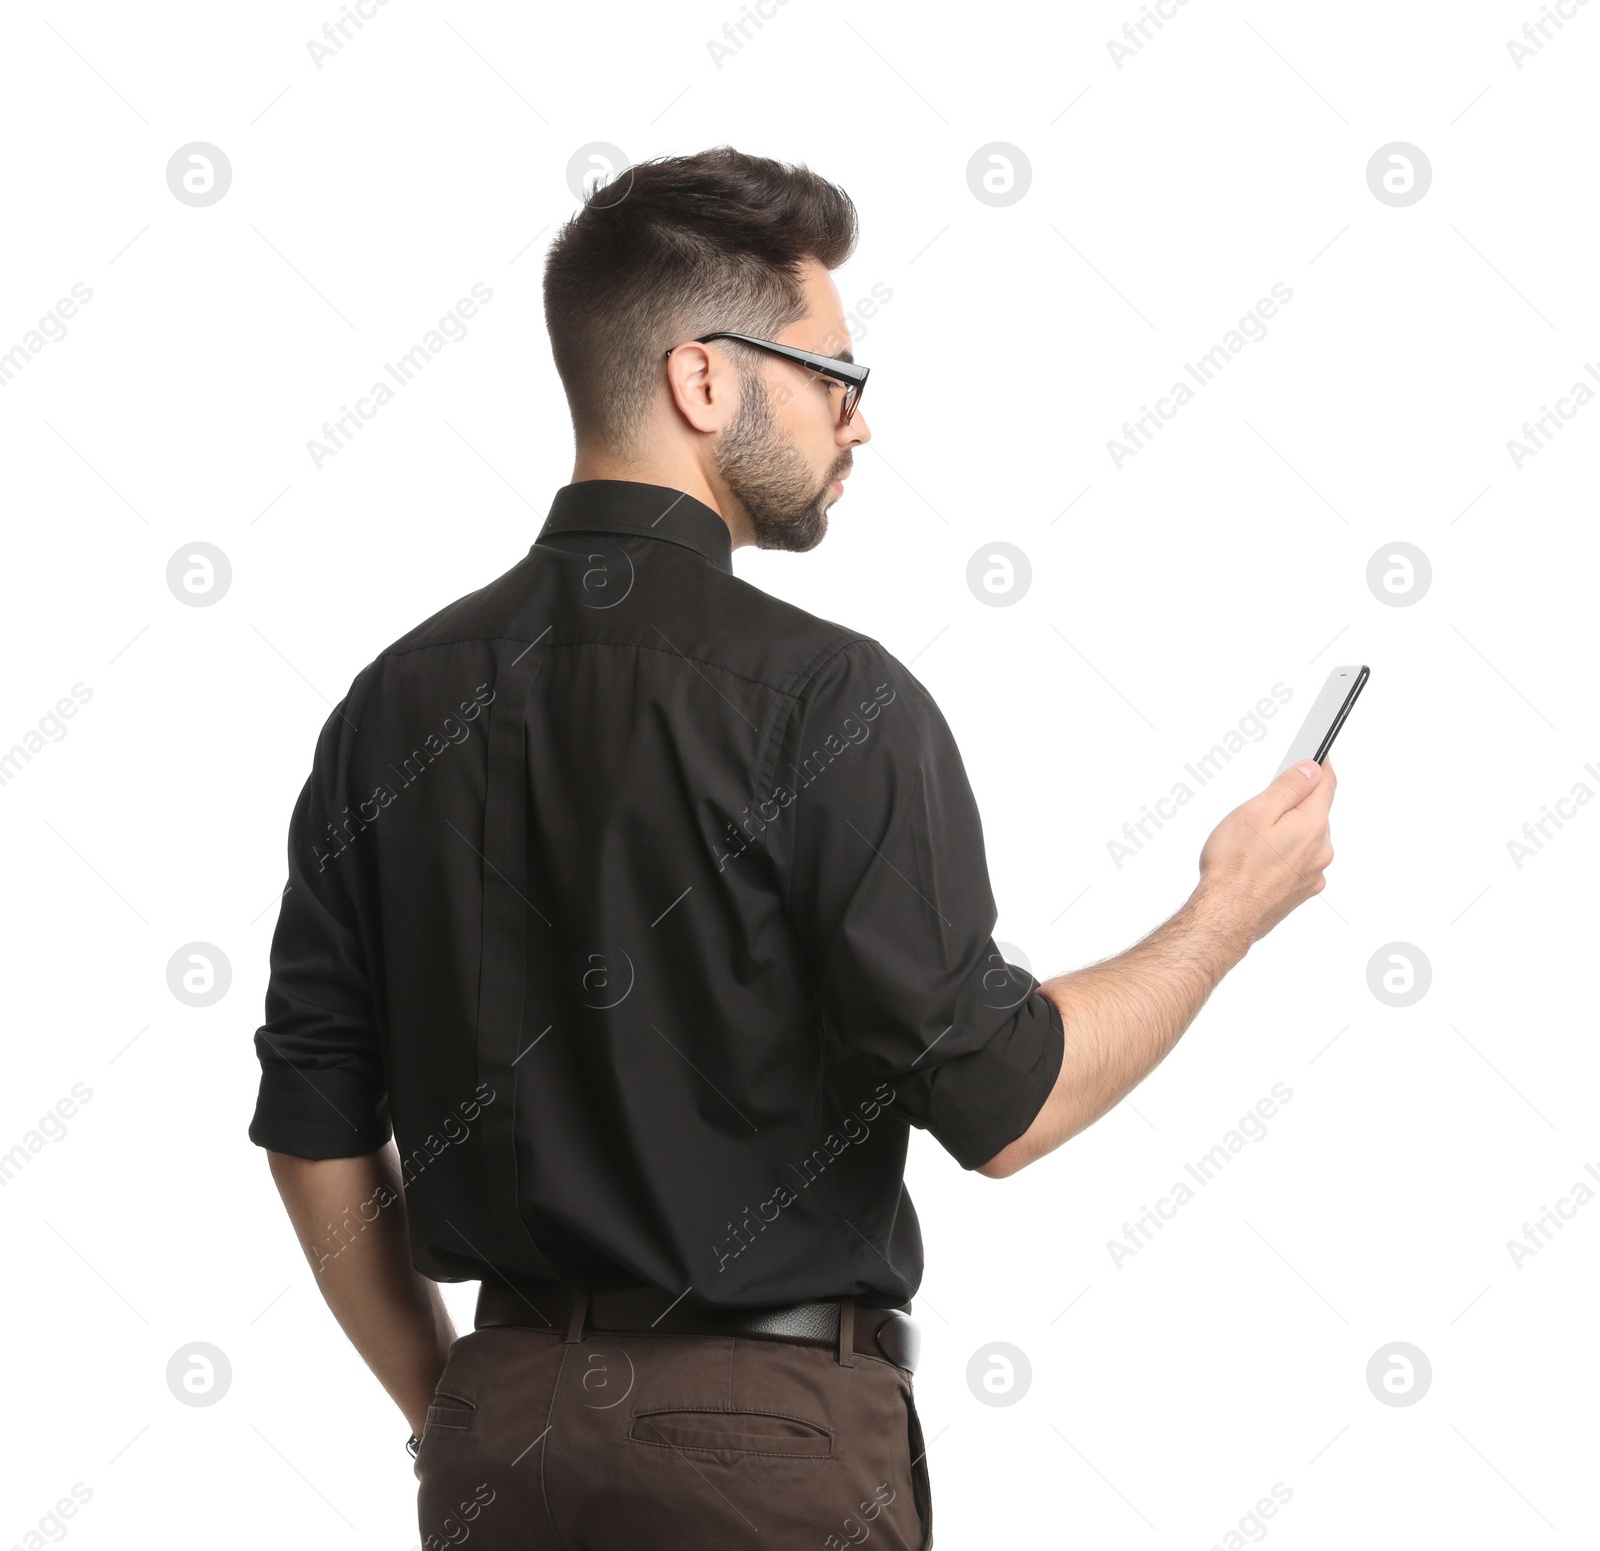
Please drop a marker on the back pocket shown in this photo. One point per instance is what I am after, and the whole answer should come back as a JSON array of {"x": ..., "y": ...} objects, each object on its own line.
[
  {"x": 449, "y": 1414},
  {"x": 734, "y": 1432}
]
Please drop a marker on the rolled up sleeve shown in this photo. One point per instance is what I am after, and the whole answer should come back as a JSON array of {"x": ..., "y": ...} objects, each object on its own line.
[
  {"x": 323, "y": 1091},
  {"x": 887, "y": 882}
]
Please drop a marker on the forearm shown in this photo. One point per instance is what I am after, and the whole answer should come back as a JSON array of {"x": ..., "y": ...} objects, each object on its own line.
[
  {"x": 350, "y": 1217},
  {"x": 1121, "y": 1018}
]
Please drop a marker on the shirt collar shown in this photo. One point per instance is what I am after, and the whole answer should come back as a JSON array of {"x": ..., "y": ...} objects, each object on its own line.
[{"x": 646, "y": 511}]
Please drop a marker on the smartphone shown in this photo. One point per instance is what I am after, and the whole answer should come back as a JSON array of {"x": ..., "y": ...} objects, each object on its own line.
[{"x": 1326, "y": 716}]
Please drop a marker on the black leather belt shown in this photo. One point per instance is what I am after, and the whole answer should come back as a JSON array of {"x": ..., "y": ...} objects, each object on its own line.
[{"x": 540, "y": 1305}]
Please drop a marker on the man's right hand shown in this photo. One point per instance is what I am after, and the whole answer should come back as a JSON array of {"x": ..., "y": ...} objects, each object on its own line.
[
  {"x": 1268, "y": 855},
  {"x": 1121, "y": 1016}
]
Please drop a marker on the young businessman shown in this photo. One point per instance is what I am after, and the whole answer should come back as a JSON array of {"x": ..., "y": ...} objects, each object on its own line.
[{"x": 646, "y": 913}]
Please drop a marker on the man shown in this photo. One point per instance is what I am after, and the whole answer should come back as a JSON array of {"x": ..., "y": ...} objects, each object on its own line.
[{"x": 648, "y": 913}]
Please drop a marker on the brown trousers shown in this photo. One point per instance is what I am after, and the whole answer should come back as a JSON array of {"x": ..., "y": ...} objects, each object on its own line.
[{"x": 651, "y": 1442}]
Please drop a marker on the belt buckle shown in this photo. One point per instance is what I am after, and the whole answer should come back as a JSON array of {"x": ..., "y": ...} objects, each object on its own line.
[{"x": 899, "y": 1338}]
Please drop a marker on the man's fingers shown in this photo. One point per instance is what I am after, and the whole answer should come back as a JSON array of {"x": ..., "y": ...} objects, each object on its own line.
[{"x": 1292, "y": 788}]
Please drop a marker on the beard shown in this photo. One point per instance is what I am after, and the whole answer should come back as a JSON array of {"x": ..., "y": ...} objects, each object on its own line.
[{"x": 787, "y": 507}]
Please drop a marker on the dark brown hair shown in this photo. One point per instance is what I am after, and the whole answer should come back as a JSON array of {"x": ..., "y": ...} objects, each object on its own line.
[{"x": 672, "y": 248}]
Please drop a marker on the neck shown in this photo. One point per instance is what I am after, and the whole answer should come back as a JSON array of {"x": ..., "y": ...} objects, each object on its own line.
[{"x": 674, "y": 473}]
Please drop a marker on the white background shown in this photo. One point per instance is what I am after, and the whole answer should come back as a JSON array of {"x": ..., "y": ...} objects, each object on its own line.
[{"x": 1168, "y": 596}]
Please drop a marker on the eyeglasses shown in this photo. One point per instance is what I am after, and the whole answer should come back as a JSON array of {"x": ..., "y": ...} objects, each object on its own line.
[{"x": 852, "y": 376}]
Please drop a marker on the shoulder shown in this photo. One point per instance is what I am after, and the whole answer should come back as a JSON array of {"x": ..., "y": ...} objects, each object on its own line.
[
  {"x": 481, "y": 615},
  {"x": 794, "y": 645},
  {"x": 855, "y": 662},
  {"x": 476, "y": 619}
]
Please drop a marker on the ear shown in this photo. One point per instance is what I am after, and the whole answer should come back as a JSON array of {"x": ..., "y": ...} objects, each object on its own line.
[{"x": 702, "y": 387}]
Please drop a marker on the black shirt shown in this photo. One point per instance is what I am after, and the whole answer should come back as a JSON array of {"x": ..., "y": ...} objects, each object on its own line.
[{"x": 648, "y": 911}]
